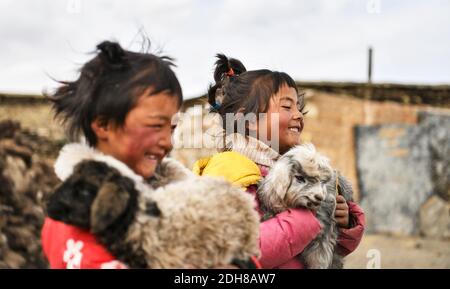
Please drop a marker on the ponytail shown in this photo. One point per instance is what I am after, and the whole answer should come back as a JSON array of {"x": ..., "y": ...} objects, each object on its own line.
[
  {"x": 111, "y": 53},
  {"x": 226, "y": 69}
]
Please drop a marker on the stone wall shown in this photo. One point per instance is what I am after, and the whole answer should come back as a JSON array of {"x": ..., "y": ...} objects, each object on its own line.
[{"x": 404, "y": 174}]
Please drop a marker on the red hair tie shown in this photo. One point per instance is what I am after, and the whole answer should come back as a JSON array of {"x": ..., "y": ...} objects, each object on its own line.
[{"x": 230, "y": 72}]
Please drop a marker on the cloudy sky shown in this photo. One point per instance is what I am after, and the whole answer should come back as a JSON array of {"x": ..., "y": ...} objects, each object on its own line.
[{"x": 309, "y": 39}]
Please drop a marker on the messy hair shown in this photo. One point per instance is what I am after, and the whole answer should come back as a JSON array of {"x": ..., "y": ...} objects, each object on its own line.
[{"x": 109, "y": 86}]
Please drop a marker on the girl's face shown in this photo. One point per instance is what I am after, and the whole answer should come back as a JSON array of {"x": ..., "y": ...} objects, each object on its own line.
[
  {"x": 145, "y": 137},
  {"x": 290, "y": 125}
]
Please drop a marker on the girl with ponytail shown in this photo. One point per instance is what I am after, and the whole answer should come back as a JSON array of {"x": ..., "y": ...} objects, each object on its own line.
[{"x": 262, "y": 116}]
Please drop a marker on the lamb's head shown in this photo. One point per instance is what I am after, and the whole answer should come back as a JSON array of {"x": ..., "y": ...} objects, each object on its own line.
[
  {"x": 298, "y": 179},
  {"x": 95, "y": 197}
]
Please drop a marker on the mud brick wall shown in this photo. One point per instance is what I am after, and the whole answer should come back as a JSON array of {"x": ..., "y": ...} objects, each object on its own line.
[
  {"x": 330, "y": 124},
  {"x": 433, "y": 95},
  {"x": 32, "y": 113}
]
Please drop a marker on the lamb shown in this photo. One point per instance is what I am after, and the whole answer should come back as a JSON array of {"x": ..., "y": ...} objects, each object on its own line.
[
  {"x": 304, "y": 178},
  {"x": 177, "y": 221}
]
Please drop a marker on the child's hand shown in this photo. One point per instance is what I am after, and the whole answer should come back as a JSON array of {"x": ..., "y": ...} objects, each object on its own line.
[{"x": 341, "y": 213}]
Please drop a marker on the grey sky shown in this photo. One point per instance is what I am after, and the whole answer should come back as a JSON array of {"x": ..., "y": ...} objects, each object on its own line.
[{"x": 310, "y": 40}]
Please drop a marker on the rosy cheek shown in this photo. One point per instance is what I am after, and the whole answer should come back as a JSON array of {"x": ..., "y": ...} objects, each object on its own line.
[
  {"x": 284, "y": 121},
  {"x": 141, "y": 140},
  {"x": 148, "y": 137}
]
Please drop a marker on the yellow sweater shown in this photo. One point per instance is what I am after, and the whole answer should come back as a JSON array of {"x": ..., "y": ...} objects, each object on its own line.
[{"x": 233, "y": 166}]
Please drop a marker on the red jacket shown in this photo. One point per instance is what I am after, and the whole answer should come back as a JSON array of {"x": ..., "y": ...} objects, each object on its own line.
[{"x": 69, "y": 247}]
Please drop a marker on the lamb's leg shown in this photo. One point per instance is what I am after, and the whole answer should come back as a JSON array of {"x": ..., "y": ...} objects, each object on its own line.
[
  {"x": 319, "y": 255},
  {"x": 337, "y": 262}
]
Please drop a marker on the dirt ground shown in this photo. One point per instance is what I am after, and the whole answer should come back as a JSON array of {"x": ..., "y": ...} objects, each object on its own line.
[{"x": 396, "y": 252}]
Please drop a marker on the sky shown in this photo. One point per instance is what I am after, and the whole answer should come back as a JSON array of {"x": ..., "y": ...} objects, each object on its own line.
[{"x": 311, "y": 40}]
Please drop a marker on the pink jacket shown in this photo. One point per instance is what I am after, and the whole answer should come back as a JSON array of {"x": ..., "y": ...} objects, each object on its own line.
[{"x": 286, "y": 235}]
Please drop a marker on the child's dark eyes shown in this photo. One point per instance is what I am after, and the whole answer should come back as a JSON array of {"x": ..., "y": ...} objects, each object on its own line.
[
  {"x": 301, "y": 109},
  {"x": 161, "y": 126},
  {"x": 155, "y": 126}
]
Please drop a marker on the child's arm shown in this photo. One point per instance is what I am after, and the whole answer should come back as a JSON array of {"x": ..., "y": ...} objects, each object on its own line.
[
  {"x": 349, "y": 238},
  {"x": 286, "y": 235},
  {"x": 350, "y": 235}
]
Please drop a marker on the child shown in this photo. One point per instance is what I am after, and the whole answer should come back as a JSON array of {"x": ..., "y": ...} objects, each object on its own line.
[
  {"x": 272, "y": 98},
  {"x": 123, "y": 104}
]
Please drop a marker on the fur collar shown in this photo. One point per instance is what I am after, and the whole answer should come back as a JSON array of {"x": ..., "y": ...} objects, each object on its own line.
[
  {"x": 73, "y": 153},
  {"x": 252, "y": 148}
]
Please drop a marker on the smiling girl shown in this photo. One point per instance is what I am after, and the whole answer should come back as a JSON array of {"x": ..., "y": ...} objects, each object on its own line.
[{"x": 277, "y": 108}]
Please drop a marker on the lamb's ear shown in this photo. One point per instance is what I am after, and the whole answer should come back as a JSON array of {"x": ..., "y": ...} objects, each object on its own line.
[
  {"x": 58, "y": 202},
  {"x": 110, "y": 203},
  {"x": 63, "y": 206},
  {"x": 345, "y": 188},
  {"x": 273, "y": 189},
  {"x": 325, "y": 169}
]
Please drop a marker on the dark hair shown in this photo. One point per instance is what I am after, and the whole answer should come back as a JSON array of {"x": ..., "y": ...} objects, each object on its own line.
[
  {"x": 109, "y": 86},
  {"x": 238, "y": 90}
]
